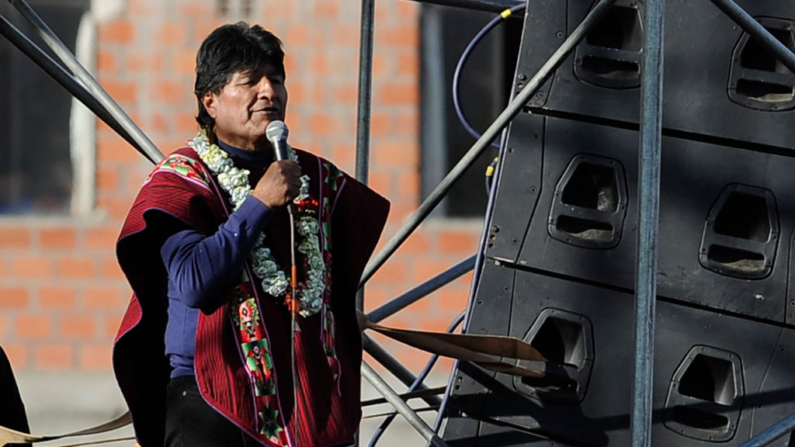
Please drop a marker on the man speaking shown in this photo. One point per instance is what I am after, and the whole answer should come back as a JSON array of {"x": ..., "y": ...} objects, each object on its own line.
[{"x": 242, "y": 328}]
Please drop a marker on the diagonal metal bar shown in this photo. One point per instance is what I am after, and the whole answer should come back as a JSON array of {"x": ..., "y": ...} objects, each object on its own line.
[
  {"x": 400, "y": 406},
  {"x": 757, "y": 32},
  {"x": 61, "y": 76},
  {"x": 767, "y": 437},
  {"x": 395, "y": 367},
  {"x": 648, "y": 221},
  {"x": 479, "y": 5},
  {"x": 502, "y": 121},
  {"x": 140, "y": 140},
  {"x": 421, "y": 291}
]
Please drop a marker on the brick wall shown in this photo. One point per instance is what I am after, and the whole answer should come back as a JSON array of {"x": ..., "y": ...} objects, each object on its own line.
[{"x": 61, "y": 291}]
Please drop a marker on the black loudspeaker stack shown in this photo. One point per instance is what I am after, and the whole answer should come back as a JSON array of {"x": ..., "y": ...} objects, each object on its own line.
[{"x": 560, "y": 259}]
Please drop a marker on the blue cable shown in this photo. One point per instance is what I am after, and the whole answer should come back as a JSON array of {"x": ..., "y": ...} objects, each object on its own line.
[{"x": 462, "y": 61}]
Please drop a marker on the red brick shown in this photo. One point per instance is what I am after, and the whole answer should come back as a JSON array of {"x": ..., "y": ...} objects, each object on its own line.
[
  {"x": 11, "y": 237},
  {"x": 327, "y": 9},
  {"x": 169, "y": 92},
  {"x": 102, "y": 298},
  {"x": 145, "y": 62},
  {"x": 57, "y": 238},
  {"x": 381, "y": 66},
  {"x": 393, "y": 93},
  {"x": 346, "y": 94},
  {"x": 112, "y": 324},
  {"x": 408, "y": 64},
  {"x": 121, "y": 91},
  {"x": 54, "y": 357},
  {"x": 75, "y": 267},
  {"x": 345, "y": 35},
  {"x": 3, "y": 268},
  {"x": 13, "y": 298},
  {"x": 33, "y": 326},
  {"x": 107, "y": 179},
  {"x": 102, "y": 238},
  {"x": 76, "y": 326},
  {"x": 406, "y": 11},
  {"x": 409, "y": 184},
  {"x": 171, "y": 33},
  {"x": 401, "y": 210},
  {"x": 452, "y": 299},
  {"x": 117, "y": 31},
  {"x": 322, "y": 124},
  {"x": 31, "y": 267},
  {"x": 56, "y": 297},
  {"x": 424, "y": 270},
  {"x": 96, "y": 357},
  {"x": 116, "y": 150},
  {"x": 407, "y": 123},
  {"x": 116, "y": 208},
  {"x": 395, "y": 153},
  {"x": 391, "y": 272},
  {"x": 186, "y": 124},
  {"x": 457, "y": 242},
  {"x": 298, "y": 34},
  {"x": 184, "y": 62},
  {"x": 417, "y": 243},
  {"x": 195, "y": 9},
  {"x": 111, "y": 269},
  {"x": 106, "y": 61},
  {"x": 17, "y": 355},
  {"x": 380, "y": 124},
  {"x": 397, "y": 36},
  {"x": 381, "y": 182}
]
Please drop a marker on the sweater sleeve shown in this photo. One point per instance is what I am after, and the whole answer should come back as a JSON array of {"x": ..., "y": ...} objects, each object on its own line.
[{"x": 201, "y": 267}]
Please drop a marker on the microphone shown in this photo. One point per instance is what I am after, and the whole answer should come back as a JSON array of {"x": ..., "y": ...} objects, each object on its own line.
[{"x": 277, "y": 132}]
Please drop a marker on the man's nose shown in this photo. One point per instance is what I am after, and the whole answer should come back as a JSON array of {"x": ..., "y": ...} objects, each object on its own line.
[{"x": 265, "y": 88}]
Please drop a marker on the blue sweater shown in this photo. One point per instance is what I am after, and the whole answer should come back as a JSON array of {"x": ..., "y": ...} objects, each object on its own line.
[{"x": 201, "y": 269}]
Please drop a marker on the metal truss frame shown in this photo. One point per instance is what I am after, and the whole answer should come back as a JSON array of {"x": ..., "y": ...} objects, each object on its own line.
[{"x": 81, "y": 84}]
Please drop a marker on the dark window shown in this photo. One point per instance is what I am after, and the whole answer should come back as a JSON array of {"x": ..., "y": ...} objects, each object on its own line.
[
  {"x": 35, "y": 151},
  {"x": 485, "y": 89}
]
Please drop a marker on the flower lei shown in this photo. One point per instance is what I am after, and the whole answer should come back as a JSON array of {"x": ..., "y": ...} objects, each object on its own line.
[{"x": 274, "y": 281}]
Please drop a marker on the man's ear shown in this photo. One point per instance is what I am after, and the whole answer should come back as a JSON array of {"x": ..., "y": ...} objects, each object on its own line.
[{"x": 208, "y": 100}]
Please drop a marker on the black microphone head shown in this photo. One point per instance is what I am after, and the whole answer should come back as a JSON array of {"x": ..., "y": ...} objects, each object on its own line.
[{"x": 276, "y": 131}]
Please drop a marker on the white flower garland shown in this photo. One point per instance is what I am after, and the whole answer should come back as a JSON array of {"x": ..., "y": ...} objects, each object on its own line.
[{"x": 274, "y": 281}]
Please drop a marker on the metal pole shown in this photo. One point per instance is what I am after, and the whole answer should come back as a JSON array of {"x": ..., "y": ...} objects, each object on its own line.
[
  {"x": 395, "y": 367},
  {"x": 767, "y": 437},
  {"x": 757, "y": 32},
  {"x": 401, "y": 407},
  {"x": 62, "y": 77},
  {"x": 363, "y": 112},
  {"x": 484, "y": 142},
  {"x": 143, "y": 143},
  {"x": 479, "y": 5},
  {"x": 421, "y": 291},
  {"x": 648, "y": 225}
]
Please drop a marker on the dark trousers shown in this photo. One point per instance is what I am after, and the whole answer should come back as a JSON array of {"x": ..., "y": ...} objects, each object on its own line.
[
  {"x": 190, "y": 422},
  {"x": 12, "y": 411}
]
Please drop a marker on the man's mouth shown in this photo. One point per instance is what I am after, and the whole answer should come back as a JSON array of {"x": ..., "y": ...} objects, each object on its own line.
[{"x": 267, "y": 110}]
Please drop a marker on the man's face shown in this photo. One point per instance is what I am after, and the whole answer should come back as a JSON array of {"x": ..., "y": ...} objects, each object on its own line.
[{"x": 246, "y": 105}]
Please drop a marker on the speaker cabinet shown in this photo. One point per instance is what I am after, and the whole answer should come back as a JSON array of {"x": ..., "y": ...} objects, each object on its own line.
[{"x": 719, "y": 83}]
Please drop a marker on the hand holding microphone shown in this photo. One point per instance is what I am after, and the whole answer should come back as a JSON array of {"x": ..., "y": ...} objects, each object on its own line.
[{"x": 282, "y": 181}]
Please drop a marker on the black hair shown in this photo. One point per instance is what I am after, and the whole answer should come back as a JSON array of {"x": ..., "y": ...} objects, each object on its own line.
[{"x": 231, "y": 48}]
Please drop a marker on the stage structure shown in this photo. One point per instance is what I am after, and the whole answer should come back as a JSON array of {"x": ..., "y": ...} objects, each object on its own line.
[{"x": 579, "y": 192}]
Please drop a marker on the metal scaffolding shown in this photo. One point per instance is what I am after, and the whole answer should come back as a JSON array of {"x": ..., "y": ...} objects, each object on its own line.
[{"x": 86, "y": 89}]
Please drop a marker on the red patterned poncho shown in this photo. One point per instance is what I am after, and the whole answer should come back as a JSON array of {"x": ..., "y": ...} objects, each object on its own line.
[{"x": 242, "y": 361}]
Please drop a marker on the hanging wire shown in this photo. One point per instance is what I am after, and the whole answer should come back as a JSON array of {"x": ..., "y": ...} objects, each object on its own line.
[{"x": 463, "y": 60}]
